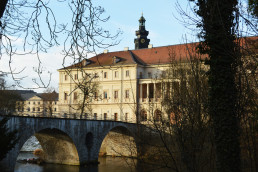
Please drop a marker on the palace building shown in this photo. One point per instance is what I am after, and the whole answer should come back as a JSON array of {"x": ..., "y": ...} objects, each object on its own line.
[{"x": 120, "y": 85}]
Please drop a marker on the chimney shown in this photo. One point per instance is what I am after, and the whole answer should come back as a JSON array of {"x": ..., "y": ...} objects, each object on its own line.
[
  {"x": 126, "y": 48},
  {"x": 150, "y": 46},
  {"x": 105, "y": 51}
]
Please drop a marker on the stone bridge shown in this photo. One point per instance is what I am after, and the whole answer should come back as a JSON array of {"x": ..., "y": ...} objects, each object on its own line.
[{"x": 65, "y": 141}]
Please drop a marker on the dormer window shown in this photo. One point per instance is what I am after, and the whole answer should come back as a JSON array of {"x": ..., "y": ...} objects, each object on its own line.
[
  {"x": 86, "y": 62},
  {"x": 116, "y": 59}
]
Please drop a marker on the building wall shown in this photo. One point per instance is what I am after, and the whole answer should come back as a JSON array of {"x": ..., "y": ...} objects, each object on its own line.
[
  {"x": 35, "y": 106},
  {"x": 118, "y": 83},
  {"x": 125, "y": 81}
]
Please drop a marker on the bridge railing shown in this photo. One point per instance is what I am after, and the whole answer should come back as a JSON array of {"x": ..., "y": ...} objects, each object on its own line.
[{"x": 72, "y": 116}]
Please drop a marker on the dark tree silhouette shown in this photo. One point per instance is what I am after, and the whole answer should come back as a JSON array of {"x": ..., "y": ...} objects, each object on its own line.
[
  {"x": 8, "y": 139},
  {"x": 219, "y": 21}
]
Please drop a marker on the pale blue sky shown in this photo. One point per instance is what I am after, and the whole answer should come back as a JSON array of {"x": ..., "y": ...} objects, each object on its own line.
[{"x": 164, "y": 29}]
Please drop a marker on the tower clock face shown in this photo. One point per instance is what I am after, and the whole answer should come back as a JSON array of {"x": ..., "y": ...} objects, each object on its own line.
[{"x": 142, "y": 40}]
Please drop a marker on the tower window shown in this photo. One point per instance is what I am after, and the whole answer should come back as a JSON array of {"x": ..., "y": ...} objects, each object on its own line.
[{"x": 75, "y": 76}]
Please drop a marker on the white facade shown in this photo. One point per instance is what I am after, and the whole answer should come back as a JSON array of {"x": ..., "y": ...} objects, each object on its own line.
[
  {"x": 37, "y": 107},
  {"x": 123, "y": 91}
]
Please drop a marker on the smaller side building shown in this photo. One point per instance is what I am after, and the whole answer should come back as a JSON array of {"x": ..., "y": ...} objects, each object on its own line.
[{"x": 37, "y": 104}]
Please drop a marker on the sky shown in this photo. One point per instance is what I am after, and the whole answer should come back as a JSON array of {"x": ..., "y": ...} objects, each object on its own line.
[{"x": 162, "y": 22}]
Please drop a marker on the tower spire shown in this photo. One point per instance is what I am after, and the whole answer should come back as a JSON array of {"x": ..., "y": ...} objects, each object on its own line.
[{"x": 141, "y": 41}]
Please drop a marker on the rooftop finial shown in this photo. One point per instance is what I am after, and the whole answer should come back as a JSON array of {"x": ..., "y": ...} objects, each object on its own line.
[{"x": 142, "y": 13}]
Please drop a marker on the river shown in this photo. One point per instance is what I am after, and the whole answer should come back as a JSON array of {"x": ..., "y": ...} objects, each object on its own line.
[{"x": 107, "y": 164}]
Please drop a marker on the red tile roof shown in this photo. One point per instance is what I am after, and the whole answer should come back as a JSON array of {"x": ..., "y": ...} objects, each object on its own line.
[
  {"x": 147, "y": 56},
  {"x": 163, "y": 55}
]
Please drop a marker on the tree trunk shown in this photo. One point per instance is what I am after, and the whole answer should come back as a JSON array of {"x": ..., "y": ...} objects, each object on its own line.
[{"x": 3, "y": 4}]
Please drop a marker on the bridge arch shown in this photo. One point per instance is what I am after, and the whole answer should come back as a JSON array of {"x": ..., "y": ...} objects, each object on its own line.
[
  {"x": 118, "y": 141},
  {"x": 58, "y": 146},
  {"x": 73, "y": 131}
]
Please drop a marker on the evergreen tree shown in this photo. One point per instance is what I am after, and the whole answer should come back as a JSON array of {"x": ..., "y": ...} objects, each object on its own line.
[
  {"x": 218, "y": 29},
  {"x": 8, "y": 139}
]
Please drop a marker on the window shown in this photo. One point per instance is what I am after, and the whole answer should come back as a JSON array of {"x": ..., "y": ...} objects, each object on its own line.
[
  {"x": 29, "y": 102},
  {"x": 116, "y": 74},
  {"x": 149, "y": 74},
  {"x": 33, "y": 109},
  {"x": 38, "y": 103},
  {"x": 140, "y": 75},
  {"x": 96, "y": 75},
  {"x": 95, "y": 116},
  {"x": 75, "y": 76},
  {"x": 96, "y": 95},
  {"x": 143, "y": 115},
  {"x": 55, "y": 103},
  {"x": 105, "y": 116},
  {"x": 34, "y": 103},
  {"x": 115, "y": 116},
  {"x": 105, "y": 74},
  {"x": 66, "y": 77},
  {"x": 28, "y": 109},
  {"x": 75, "y": 96},
  {"x": 127, "y": 74},
  {"x": 38, "y": 109},
  {"x": 126, "y": 94},
  {"x": 126, "y": 117},
  {"x": 157, "y": 116},
  {"x": 65, "y": 96},
  {"x": 116, "y": 94},
  {"x": 55, "y": 109},
  {"x": 105, "y": 94}
]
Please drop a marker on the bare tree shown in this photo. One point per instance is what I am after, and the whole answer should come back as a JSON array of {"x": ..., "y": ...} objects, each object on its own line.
[
  {"x": 247, "y": 105},
  {"x": 35, "y": 23},
  {"x": 50, "y": 98}
]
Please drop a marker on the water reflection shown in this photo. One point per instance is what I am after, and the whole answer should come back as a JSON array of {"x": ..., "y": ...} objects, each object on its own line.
[{"x": 107, "y": 164}]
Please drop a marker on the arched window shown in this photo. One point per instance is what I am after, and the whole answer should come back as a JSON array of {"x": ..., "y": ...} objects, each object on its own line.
[
  {"x": 157, "y": 116},
  {"x": 143, "y": 115}
]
